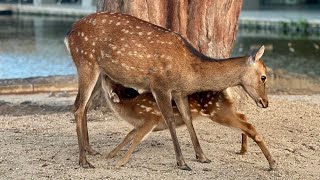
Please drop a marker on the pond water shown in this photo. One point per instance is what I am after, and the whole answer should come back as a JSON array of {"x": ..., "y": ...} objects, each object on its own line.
[{"x": 32, "y": 46}]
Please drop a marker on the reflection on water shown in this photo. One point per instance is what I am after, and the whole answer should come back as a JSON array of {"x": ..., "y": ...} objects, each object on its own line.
[{"x": 33, "y": 46}]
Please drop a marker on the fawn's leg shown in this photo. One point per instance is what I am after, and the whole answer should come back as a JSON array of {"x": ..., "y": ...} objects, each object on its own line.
[
  {"x": 138, "y": 136},
  {"x": 125, "y": 141},
  {"x": 183, "y": 106},
  {"x": 163, "y": 100},
  {"x": 87, "y": 79},
  {"x": 249, "y": 130},
  {"x": 244, "y": 143}
]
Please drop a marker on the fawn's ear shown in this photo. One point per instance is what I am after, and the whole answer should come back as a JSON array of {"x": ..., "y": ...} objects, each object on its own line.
[{"x": 259, "y": 54}]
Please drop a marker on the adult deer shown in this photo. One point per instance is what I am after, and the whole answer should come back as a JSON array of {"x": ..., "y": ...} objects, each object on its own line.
[
  {"x": 144, "y": 115},
  {"x": 141, "y": 55}
]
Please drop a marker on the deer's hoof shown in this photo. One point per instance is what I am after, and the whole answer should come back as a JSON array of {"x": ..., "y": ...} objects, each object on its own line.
[
  {"x": 272, "y": 165},
  {"x": 184, "y": 167},
  {"x": 242, "y": 152},
  {"x": 110, "y": 155},
  {"x": 203, "y": 159},
  {"x": 86, "y": 165},
  {"x": 121, "y": 163}
]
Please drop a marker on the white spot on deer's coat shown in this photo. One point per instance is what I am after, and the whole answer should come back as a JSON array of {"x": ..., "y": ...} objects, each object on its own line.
[
  {"x": 82, "y": 34},
  {"x": 169, "y": 58},
  {"x": 162, "y": 56},
  {"x": 110, "y": 21},
  {"x": 210, "y": 102},
  {"x": 217, "y": 104},
  {"x": 148, "y": 56},
  {"x": 104, "y": 21},
  {"x": 127, "y": 22},
  {"x": 149, "y": 33},
  {"x": 86, "y": 38},
  {"x": 206, "y": 105},
  {"x": 194, "y": 110},
  {"x": 77, "y": 50},
  {"x": 94, "y": 22},
  {"x": 122, "y": 39},
  {"x": 114, "y": 47},
  {"x": 148, "y": 109},
  {"x": 138, "y": 27},
  {"x": 91, "y": 56},
  {"x": 118, "y": 52},
  {"x": 118, "y": 23},
  {"x": 212, "y": 112},
  {"x": 140, "y": 33}
]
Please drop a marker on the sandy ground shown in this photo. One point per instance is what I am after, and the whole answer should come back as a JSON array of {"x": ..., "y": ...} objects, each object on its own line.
[{"x": 38, "y": 141}]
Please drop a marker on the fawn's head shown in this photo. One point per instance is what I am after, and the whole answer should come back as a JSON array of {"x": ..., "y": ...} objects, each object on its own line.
[{"x": 254, "y": 79}]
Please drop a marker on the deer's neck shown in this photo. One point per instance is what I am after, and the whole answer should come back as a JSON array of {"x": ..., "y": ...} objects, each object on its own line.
[{"x": 218, "y": 74}]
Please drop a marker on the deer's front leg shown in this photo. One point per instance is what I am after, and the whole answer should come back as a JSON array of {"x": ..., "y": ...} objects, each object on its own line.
[
  {"x": 163, "y": 100},
  {"x": 183, "y": 106}
]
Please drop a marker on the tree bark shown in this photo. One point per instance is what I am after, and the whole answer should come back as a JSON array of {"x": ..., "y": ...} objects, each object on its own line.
[{"x": 211, "y": 26}]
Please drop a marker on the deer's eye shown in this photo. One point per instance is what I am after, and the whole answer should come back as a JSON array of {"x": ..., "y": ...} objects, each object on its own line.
[{"x": 263, "y": 78}]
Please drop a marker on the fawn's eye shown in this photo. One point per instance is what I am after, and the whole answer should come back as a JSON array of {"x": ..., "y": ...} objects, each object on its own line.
[{"x": 263, "y": 78}]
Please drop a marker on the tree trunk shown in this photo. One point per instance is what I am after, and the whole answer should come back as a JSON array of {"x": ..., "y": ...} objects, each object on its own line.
[{"x": 210, "y": 25}]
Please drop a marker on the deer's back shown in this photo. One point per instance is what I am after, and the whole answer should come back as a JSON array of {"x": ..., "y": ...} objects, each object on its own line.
[{"x": 125, "y": 46}]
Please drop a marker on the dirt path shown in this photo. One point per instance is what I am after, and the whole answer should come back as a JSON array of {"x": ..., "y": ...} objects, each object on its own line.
[{"x": 38, "y": 141}]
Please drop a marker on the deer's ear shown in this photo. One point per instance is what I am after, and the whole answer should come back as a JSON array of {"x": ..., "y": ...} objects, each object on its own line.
[{"x": 259, "y": 54}]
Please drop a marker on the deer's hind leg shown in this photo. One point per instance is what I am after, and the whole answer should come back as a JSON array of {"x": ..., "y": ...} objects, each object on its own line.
[{"x": 87, "y": 78}]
